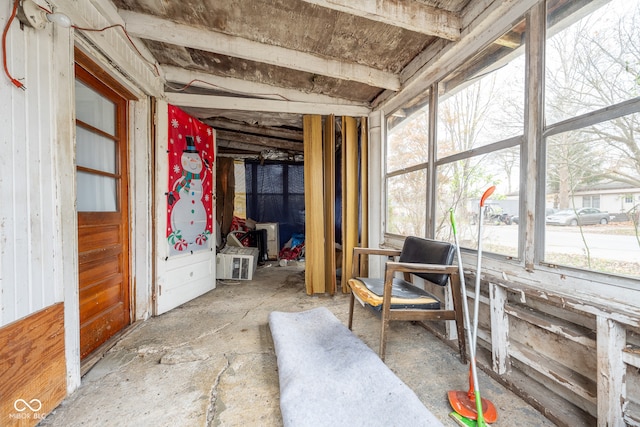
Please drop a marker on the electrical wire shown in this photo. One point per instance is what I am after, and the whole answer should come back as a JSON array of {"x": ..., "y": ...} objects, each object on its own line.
[
  {"x": 186, "y": 86},
  {"x": 20, "y": 85},
  {"x": 124, "y": 30},
  {"x": 17, "y": 83}
]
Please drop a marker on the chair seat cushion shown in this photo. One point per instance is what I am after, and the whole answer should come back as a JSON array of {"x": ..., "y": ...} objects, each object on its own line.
[{"x": 404, "y": 295}]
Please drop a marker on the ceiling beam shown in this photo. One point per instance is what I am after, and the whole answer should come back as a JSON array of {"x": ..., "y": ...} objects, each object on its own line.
[
  {"x": 224, "y": 124},
  {"x": 244, "y": 87},
  {"x": 411, "y": 15},
  {"x": 223, "y": 143},
  {"x": 482, "y": 24},
  {"x": 234, "y": 146},
  {"x": 263, "y": 141},
  {"x": 153, "y": 28},
  {"x": 264, "y": 105}
]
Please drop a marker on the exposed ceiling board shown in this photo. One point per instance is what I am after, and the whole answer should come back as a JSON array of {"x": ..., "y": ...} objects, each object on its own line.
[
  {"x": 295, "y": 25},
  {"x": 277, "y": 132},
  {"x": 225, "y": 66},
  {"x": 201, "y": 82},
  {"x": 413, "y": 16},
  {"x": 271, "y": 120},
  {"x": 263, "y": 105},
  {"x": 449, "y": 5},
  {"x": 270, "y": 61},
  {"x": 264, "y": 142},
  {"x": 149, "y": 27}
]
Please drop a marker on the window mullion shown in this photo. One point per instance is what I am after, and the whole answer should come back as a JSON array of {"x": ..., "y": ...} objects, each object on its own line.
[{"x": 532, "y": 208}]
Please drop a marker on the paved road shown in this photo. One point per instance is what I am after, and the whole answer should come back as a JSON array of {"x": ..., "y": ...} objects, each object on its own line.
[
  {"x": 608, "y": 246},
  {"x": 569, "y": 241}
]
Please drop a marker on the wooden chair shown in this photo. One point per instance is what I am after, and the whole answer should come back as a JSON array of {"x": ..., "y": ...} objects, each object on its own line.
[{"x": 400, "y": 299}]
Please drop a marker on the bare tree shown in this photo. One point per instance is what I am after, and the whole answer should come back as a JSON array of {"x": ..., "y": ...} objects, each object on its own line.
[{"x": 597, "y": 66}]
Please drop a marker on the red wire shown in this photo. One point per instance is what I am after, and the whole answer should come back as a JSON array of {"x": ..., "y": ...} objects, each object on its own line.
[
  {"x": 13, "y": 14},
  {"x": 16, "y": 82},
  {"x": 128, "y": 38},
  {"x": 106, "y": 28}
]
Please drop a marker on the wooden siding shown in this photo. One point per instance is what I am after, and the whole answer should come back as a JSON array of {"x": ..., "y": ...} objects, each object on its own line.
[
  {"x": 573, "y": 359},
  {"x": 32, "y": 362},
  {"x": 576, "y": 361}
]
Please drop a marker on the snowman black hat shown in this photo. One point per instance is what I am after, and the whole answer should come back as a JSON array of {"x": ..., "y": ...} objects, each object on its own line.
[{"x": 191, "y": 145}]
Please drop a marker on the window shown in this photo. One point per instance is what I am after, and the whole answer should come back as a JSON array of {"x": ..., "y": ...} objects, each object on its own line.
[
  {"x": 590, "y": 201},
  {"x": 591, "y": 87},
  {"x": 585, "y": 193},
  {"x": 480, "y": 127},
  {"x": 407, "y": 154},
  {"x": 275, "y": 193},
  {"x": 97, "y": 146}
]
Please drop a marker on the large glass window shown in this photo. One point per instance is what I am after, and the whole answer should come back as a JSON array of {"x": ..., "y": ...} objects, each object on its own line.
[
  {"x": 478, "y": 109},
  {"x": 592, "y": 59},
  {"x": 407, "y": 203},
  {"x": 407, "y": 155},
  {"x": 480, "y": 127},
  {"x": 586, "y": 199},
  {"x": 592, "y": 144}
]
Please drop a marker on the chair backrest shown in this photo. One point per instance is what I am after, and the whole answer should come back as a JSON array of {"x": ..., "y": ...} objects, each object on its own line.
[{"x": 427, "y": 251}]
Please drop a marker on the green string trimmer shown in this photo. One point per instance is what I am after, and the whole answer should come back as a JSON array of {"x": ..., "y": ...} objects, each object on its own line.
[{"x": 469, "y": 408}]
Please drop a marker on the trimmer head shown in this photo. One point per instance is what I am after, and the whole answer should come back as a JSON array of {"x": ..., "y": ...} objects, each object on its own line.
[{"x": 466, "y": 406}]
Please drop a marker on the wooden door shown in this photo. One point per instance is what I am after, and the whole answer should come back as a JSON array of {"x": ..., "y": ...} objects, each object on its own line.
[{"x": 103, "y": 227}]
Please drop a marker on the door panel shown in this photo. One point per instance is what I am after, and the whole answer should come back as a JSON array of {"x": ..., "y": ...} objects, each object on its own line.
[{"x": 103, "y": 226}]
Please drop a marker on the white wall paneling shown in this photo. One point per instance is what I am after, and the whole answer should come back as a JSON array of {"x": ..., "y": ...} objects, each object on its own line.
[{"x": 30, "y": 247}]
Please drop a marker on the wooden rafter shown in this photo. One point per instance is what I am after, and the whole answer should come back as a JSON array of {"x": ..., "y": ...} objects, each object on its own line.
[
  {"x": 260, "y": 142},
  {"x": 244, "y": 87},
  {"x": 162, "y": 30},
  {"x": 264, "y": 105},
  {"x": 411, "y": 15},
  {"x": 230, "y": 125}
]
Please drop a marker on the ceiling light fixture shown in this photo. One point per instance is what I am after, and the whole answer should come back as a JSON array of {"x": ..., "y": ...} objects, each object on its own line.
[{"x": 35, "y": 16}]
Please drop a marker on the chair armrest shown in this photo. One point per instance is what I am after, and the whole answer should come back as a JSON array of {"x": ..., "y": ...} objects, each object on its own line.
[
  {"x": 357, "y": 252},
  {"x": 409, "y": 268},
  {"x": 376, "y": 251},
  {"x": 413, "y": 267}
]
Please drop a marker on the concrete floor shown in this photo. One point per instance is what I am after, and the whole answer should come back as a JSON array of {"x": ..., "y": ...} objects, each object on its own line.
[{"x": 211, "y": 362}]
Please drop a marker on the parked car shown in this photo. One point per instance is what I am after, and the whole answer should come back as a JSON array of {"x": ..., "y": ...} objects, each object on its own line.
[{"x": 582, "y": 216}]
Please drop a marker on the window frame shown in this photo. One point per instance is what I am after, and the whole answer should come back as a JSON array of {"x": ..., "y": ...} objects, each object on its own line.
[
  {"x": 533, "y": 147},
  {"x": 396, "y": 239}
]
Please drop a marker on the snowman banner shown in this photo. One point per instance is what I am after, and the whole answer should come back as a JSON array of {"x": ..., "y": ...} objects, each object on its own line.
[{"x": 189, "y": 193}]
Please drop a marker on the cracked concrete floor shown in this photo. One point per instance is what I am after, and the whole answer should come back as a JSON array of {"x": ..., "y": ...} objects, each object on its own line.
[{"x": 211, "y": 362}]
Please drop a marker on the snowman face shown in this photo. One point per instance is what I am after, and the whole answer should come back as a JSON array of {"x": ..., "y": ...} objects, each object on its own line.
[{"x": 191, "y": 162}]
